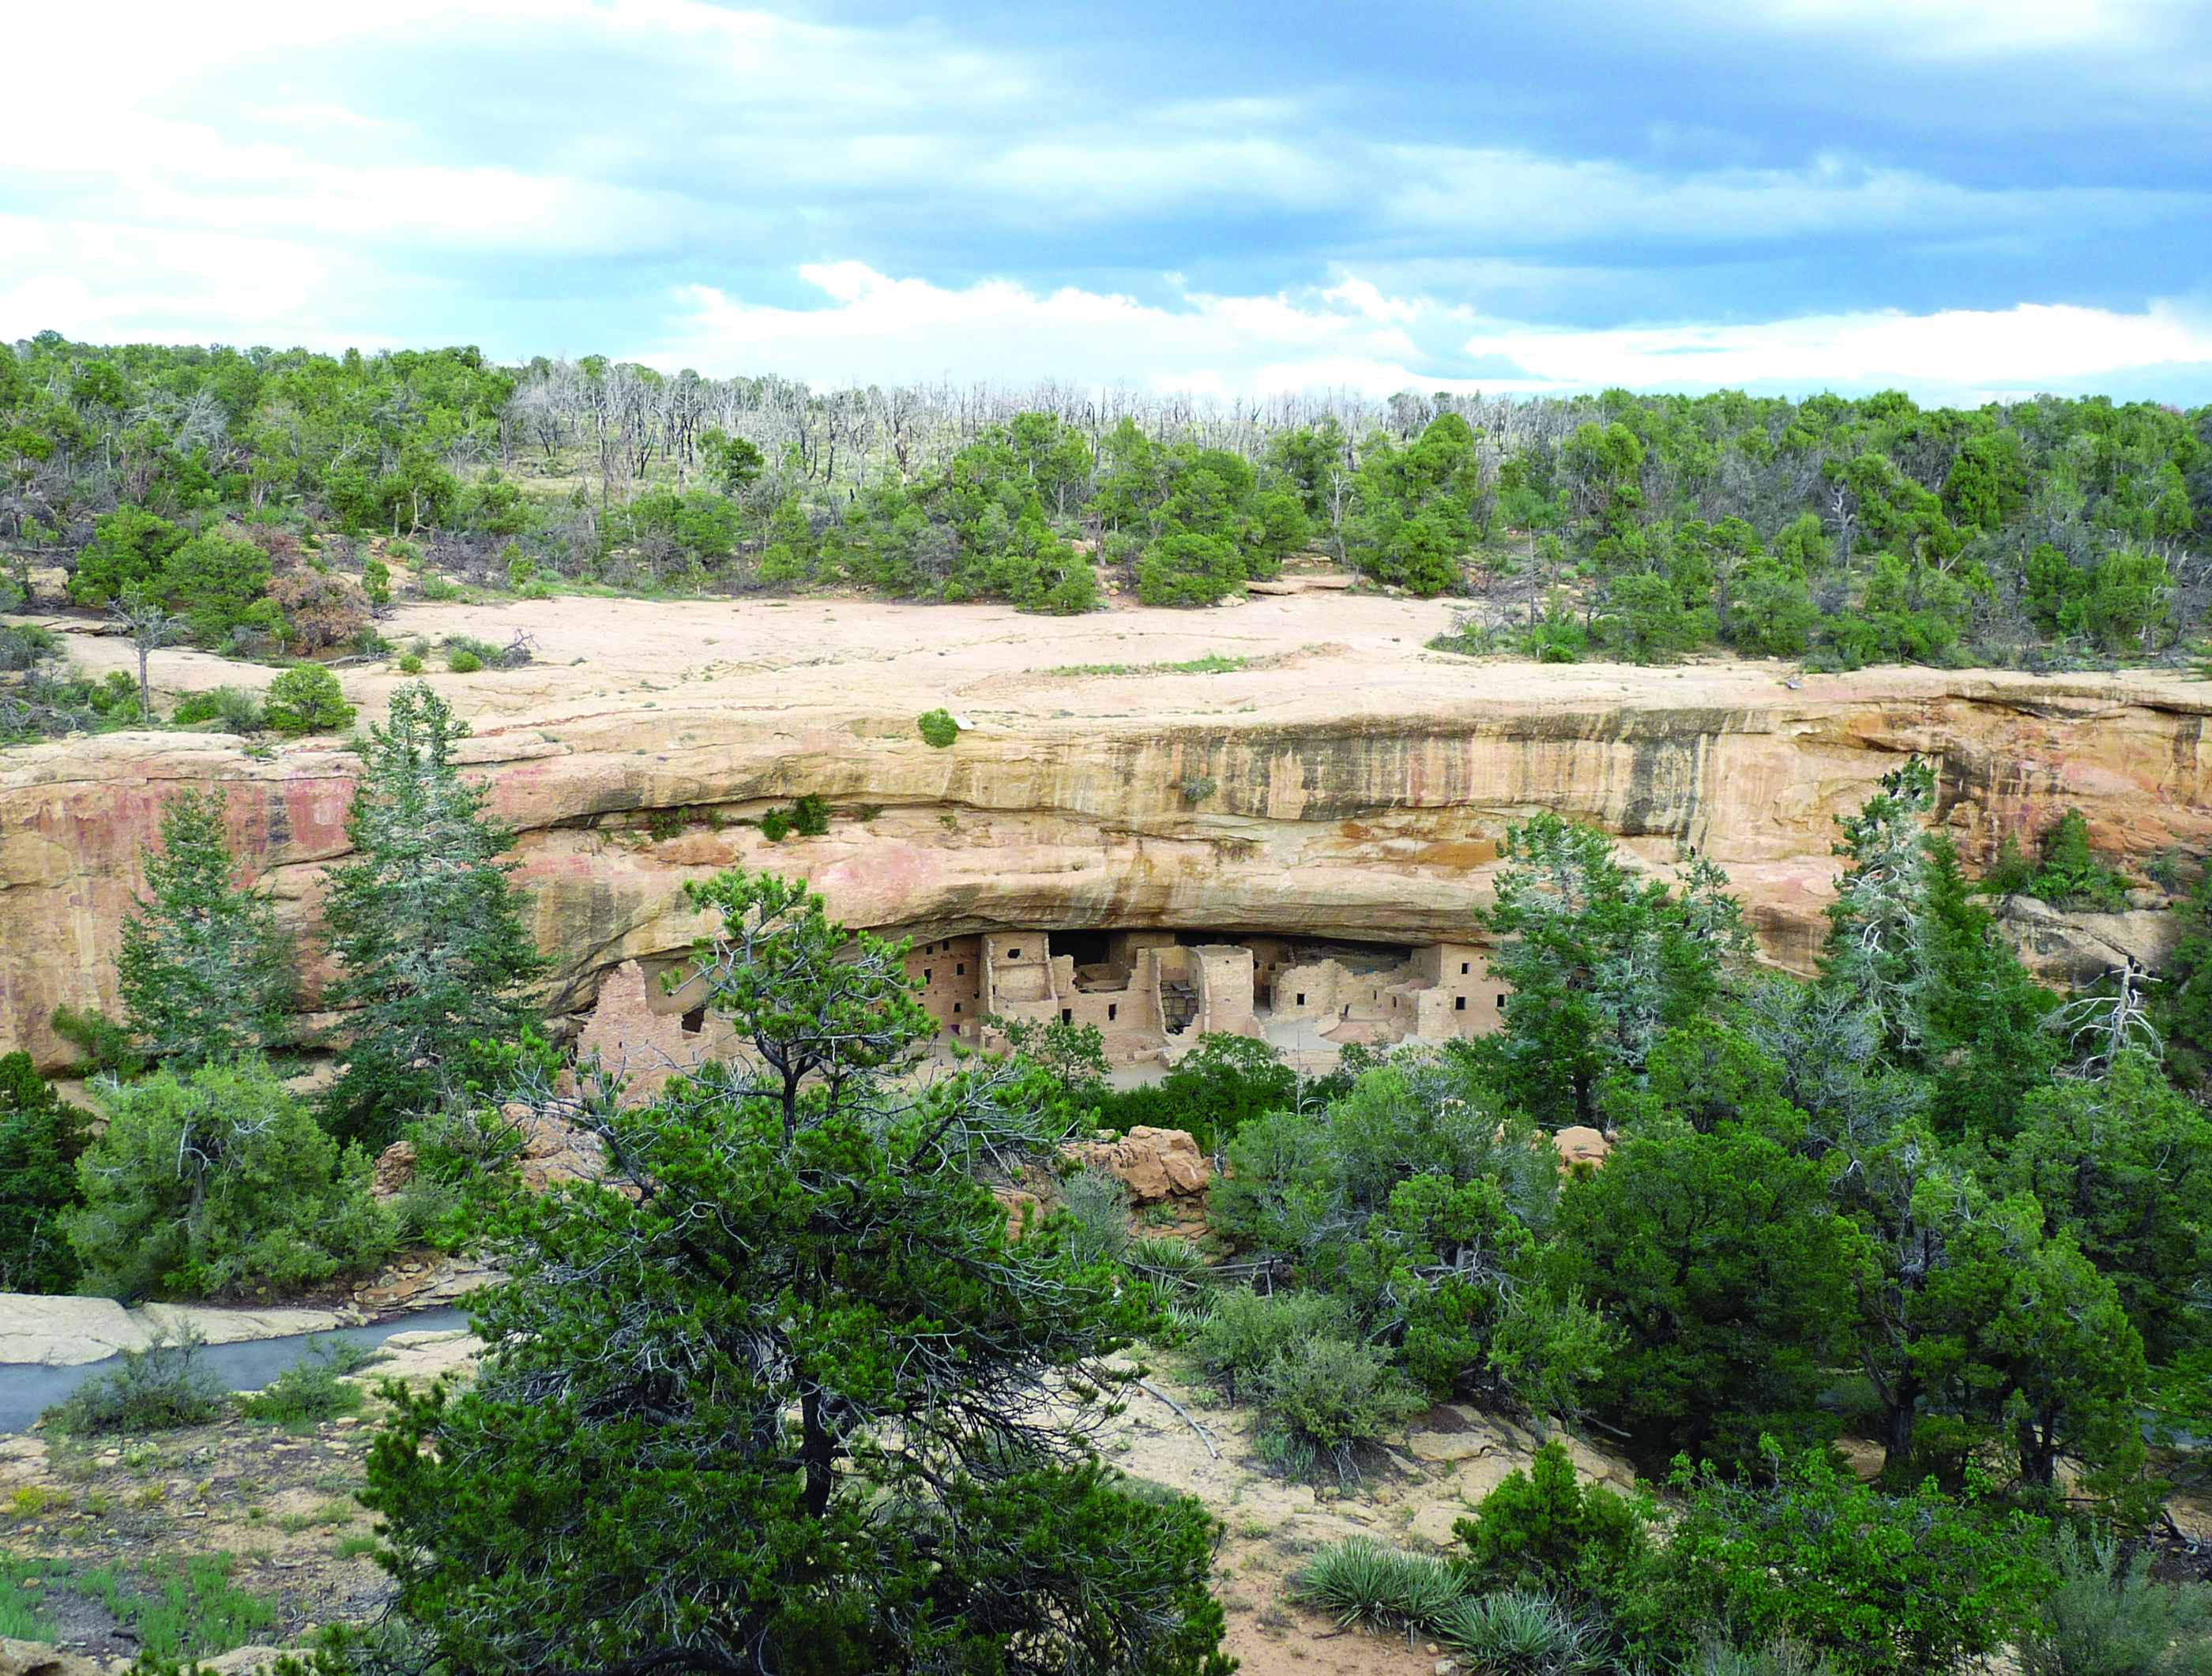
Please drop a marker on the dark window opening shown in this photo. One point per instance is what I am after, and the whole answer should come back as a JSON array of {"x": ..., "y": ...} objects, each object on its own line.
[
  {"x": 1459, "y": 1004},
  {"x": 694, "y": 1021},
  {"x": 1111, "y": 1009},
  {"x": 925, "y": 977},
  {"x": 1302, "y": 997},
  {"x": 955, "y": 1006},
  {"x": 960, "y": 970},
  {"x": 1501, "y": 1002},
  {"x": 1463, "y": 968},
  {"x": 1014, "y": 954},
  {"x": 1067, "y": 1014}
]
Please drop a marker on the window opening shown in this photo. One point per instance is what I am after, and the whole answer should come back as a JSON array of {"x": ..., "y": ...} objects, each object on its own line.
[{"x": 694, "y": 1021}]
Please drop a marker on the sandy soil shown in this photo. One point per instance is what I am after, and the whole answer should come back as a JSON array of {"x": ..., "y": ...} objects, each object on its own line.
[{"x": 1336, "y": 654}]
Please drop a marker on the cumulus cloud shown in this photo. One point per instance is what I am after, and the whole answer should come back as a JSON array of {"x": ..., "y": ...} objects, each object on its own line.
[{"x": 1353, "y": 335}]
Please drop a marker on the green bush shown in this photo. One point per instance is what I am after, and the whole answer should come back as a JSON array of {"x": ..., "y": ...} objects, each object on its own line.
[
  {"x": 307, "y": 699},
  {"x": 196, "y": 1612},
  {"x": 237, "y": 710},
  {"x": 159, "y": 1388},
  {"x": 1246, "y": 1331},
  {"x": 220, "y": 1184},
  {"x": 1326, "y": 1397},
  {"x": 810, "y": 816},
  {"x": 1805, "y": 1553},
  {"x": 775, "y": 825},
  {"x": 40, "y": 1137},
  {"x": 1359, "y": 1581},
  {"x": 1098, "y": 1206},
  {"x": 314, "y": 1387},
  {"x": 938, "y": 728},
  {"x": 1543, "y": 1528},
  {"x": 462, "y": 661},
  {"x": 2110, "y": 1618},
  {"x": 410, "y": 664}
]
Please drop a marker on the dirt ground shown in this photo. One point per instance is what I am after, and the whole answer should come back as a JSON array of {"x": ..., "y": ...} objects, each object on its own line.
[{"x": 1331, "y": 654}]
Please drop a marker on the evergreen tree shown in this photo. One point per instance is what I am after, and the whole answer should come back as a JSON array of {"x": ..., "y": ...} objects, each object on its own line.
[
  {"x": 425, "y": 925},
  {"x": 204, "y": 971},
  {"x": 786, "y": 1393},
  {"x": 40, "y": 1137}
]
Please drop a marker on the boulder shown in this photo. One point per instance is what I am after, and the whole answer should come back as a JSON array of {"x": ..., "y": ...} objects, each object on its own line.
[
  {"x": 1581, "y": 1144},
  {"x": 1154, "y": 1164},
  {"x": 395, "y": 1168},
  {"x": 39, "y": 1658}
]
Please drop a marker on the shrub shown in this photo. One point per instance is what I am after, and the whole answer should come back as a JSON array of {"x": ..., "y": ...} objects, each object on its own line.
[
  {"x": 1359, "y": 1581},
  {"x": 40, "y": 1137},
  {"x": 307, "y": 699},
  {"x": 775, "y": 825},
  {"x": 220, "y": 1183},
  {"x": 938, "y": 728},
  {"x": 1524, "y": 1633},
  {"x": 1879, "y": 1584},
  {"x": 320, "y": 610},
  {"x": 1243, "y": 1336},
  {"x": 237, "y": 710},
  {"x": 1328, "y": 1396},
  {"x": 314, "y": 1387},
  {"x": 410, "y": 664},
  {"x": 1098, "y": 1205},
  {"x": 2109, "y": 1618},
  {"x": 462, "y": 661},
  {"x": 159, "y": 1388},
  {"x": 1543, "y": 1528},
  {"x": 810, "y": 816},
  {"x": 376, "y": 581}
]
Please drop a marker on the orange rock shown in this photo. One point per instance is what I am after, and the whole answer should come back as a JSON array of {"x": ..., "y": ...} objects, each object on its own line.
[
  {"x": 1154, "y": 1164},
  {"x": 1581, "y": 1144}
]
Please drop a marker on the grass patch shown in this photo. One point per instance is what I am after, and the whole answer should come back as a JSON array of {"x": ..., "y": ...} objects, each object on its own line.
[
  {"x": 24, "y": 1586},
  {"x": 193, "y": 1610},
  {"x": 354, "y": 1548},
  {"x": 1212, "y": 664},
  {"x": 329, "y": 1513}
]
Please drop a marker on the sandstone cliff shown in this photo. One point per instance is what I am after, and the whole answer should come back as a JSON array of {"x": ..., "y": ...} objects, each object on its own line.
[{"x": 1346, "y": 781}]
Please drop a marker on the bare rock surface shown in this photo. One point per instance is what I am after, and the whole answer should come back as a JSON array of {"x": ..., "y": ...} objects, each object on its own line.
[
  {"x": 69, "y": 1332},
  {"x": 1362, "y": 783},
  {"x": 1154, "y": 1164}
]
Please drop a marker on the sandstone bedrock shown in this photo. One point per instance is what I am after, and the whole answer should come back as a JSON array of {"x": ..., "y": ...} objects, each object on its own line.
[{"x": 1347, "y": 782}]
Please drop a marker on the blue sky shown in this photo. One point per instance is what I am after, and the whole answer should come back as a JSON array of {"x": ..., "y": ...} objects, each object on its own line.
[{"x": 1961, "y": 197}]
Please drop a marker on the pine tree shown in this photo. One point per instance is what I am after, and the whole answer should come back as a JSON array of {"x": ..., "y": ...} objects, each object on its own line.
[
  {"x": 204, "y": 970},
  {"x": 425, "y": 925}
]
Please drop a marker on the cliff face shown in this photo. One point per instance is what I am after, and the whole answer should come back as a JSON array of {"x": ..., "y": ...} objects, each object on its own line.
[{"x": 1355, "y": 787}]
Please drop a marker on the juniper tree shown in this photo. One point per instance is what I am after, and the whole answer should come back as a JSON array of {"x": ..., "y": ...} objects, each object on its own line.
[
  {"x": 40, "y": 1137},
  {"x": 425, "y": 925},
  {"x": 786, "y": 1392},
  {"x": 204, "y": 970}
]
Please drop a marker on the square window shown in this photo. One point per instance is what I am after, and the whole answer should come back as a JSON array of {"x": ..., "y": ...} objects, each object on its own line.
[
  {"x": 1014, "y": 954},
  {"x": 955, "y": 1006},
  {"x": 1459, "y": 1004},
  {"x": 1463, "y": 968}
]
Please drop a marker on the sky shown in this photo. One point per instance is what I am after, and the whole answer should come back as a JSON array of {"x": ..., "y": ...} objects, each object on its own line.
[{"x": 1967, "y": 199}]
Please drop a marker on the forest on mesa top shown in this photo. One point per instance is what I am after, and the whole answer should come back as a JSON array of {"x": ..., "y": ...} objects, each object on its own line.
[{"x": 2045, "y": 533}]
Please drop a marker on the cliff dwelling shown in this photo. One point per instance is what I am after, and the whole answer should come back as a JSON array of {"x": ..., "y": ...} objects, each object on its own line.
[{"x": 1152, "y": 995}]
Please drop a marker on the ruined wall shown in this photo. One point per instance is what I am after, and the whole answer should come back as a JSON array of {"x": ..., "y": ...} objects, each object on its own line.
[{"x": 1354, "y": 822}]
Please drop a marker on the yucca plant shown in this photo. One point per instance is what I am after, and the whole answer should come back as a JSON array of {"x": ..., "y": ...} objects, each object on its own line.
[
  {"x": 1359, "y": 1581},
  {"x": 1522, "y": 1633}
]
